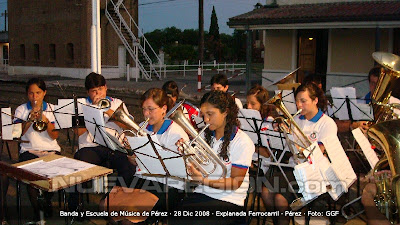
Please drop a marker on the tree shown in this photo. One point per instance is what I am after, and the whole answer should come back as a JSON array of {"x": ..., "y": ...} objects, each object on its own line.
[{"x": 214, "y": 45}]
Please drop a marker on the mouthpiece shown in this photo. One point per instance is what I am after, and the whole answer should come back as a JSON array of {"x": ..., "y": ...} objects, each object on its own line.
[{"x": 298, "y": 112}]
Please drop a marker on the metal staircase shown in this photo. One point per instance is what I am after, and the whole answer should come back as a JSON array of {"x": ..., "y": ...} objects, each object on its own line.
[{"x": 138, "y": 48}]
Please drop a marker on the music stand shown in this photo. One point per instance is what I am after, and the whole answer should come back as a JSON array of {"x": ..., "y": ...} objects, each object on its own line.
[
  {"x": 158, "y": 162},
  {"x": 100, "y": 133},
  {"x": 348, "y": 107}
]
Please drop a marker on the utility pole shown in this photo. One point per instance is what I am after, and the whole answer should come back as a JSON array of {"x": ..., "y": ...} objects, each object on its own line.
[
  {"x": 5, "y": 14},
  {"x": 201, "y": 30}
]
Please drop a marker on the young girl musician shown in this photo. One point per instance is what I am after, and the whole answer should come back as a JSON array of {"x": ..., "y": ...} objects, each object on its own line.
[
  {"x": 39, "y": 142},
  {"x": 155, "y": 105},
  {"x": 235, "y": 149},
  {"x": 315, "y": 125}
]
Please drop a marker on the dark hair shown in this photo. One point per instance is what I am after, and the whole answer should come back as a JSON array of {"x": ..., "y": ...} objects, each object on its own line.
[
  {"x": 316, "y": 79},
  {"x": 376, "y": 72},
  {"x": 94, "y": 80},
  {"x": 314, "y": 92},
  {"x": 225, "y": 103},
  {"x": 159, "y": 97},
  {"x": 262, "y": 97},
  {"x": 171, "y": 89},
  {"x": 219, "y": 79},
  {"x": 39, "y": 82}
]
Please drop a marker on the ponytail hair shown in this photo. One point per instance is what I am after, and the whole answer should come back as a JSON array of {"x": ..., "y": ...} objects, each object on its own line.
[
  {"x": 159, "y": 97},
  {"x": 225, "y": 103},
  {"x": 314, "y": 92}
]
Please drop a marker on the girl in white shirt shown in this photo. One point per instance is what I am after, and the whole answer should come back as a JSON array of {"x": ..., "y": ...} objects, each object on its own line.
[
  {"x": 235, "y": 149},
  {"x": 155, "y": 105},
  {"x": 315, "y": 125},
  {"x": 39, "y": 143}
]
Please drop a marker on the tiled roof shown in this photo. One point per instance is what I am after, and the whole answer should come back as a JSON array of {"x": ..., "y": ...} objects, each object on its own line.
[{"x": 323, "y": 12}]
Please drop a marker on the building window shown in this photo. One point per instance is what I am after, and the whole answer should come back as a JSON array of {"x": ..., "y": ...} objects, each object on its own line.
[
  {"x": 36, "y": 55},
  {"x": 5, "y": 54},
  {"x": 22, "y": 52},
  {"x": 52, "y": 52},
  {"x": 70, "y": 52}
]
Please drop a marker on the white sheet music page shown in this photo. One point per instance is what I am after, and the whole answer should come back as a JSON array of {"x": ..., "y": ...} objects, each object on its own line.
[
  {"x": 148, "y": 161},
  {"x": 310, "y": 180},
  {"x": 339, "y": 161},
  {"x": 6, "y": 124},
  {"x": 250, "y": 122},
  {"x": 339, "y": 95},
  {"x": 65, "y": 110},
  {"x": 58, "y": 167},
  {"x": 94, "y": 123},
  {"x": 361, "y": 111},
  {"x": 366, "y": 147}
]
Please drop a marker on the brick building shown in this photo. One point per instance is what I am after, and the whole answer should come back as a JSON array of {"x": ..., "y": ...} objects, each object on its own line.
[{"x": 50, "y": 37}]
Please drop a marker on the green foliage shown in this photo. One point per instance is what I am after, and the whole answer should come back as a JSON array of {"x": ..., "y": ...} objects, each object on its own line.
[
  {"x": 214, "y": 28},
  {"x": 179, "y": 45},
  {"x": 181, "y": 52}
]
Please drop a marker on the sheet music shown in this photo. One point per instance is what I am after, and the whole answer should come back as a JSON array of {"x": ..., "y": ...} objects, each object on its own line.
[
  {"x": 277, "y": 140},
  {"x": 94, "y": 123},
  {"x": 338, "y": 188},
  {"x": 65, "y": 110},
  {"x": 365, "y": 147},
  {"x": 247, "y": 118},
  {"x": 310, "y": 180},
  {"x": 339, "y": 95},
  {"x": 6, "y": 124},
  {"x": 58, "y": 167},
  {"x": 288, "y": 100},
  {"x": 361, "y": 111},
  {"x": 148, "y": 161},
  {"x": 339, "y": 160}
]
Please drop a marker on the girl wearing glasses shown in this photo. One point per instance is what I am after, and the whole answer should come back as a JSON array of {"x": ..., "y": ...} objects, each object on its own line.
[
  {"x": 235, "y": 149},
  {"x": 155, "y": 105}
]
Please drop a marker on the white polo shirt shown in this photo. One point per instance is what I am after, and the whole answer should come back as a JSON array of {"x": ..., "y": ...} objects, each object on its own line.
[
  {"x": 168, "y": 135},
  {"x": 317, "y": 128},
  {"x": 240, "y": 152},
  {"x": 86, "y": 139},
  {"x": 38, "y": 141}
]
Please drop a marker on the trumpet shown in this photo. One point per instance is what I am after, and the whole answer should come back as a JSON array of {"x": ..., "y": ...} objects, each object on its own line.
[
  {"x": 38, "y": 124},
  {"x": 201, "y": 155}
]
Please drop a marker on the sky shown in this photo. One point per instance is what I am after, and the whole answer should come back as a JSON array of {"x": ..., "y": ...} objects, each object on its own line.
[
  {"x": 3, "y": 6},
  {"x": 183, "y": 14}
]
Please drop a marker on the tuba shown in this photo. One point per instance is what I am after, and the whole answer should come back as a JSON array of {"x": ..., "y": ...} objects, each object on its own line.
[
  {"x": 387, "y": 135},
  {"x": 390, "y": 72},
  {"x": 198, "y": 152}
]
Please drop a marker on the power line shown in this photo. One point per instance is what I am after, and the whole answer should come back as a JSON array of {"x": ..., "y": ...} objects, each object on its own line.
[{"x": 150, "y": 3}]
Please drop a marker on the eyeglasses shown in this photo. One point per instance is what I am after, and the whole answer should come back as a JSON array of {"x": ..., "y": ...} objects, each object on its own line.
[{"x": 149, "y": 109}]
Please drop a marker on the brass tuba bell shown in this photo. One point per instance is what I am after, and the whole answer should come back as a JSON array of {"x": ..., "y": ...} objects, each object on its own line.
[
  {"x": 386, "y": 84},
  {"x": 387, "y": 135}
]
